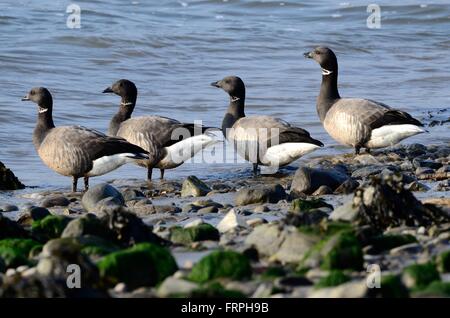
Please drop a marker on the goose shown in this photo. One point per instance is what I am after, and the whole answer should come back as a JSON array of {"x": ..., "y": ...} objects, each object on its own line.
[
  {"x": 169, "y": 142},
  {"x": 262, "y": 140},
  {"x": 77, "y": 151},
  {"x": 355, "y": 122}
]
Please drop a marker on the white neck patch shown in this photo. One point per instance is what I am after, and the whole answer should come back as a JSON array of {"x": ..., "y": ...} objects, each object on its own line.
[
  {"x": 326, "y": 72},
  {"x": 127, "y": 104},
  {"x": 235, "y": 99},
  {"x": 42, "y": 110}
]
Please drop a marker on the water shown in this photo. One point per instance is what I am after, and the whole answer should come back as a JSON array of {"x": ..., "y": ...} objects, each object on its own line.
[{"x": 172, "y": 50}]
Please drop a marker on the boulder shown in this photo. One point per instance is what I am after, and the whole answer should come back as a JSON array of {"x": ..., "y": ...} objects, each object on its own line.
[
  {"x": 55, "y": 200},
  {"x": 194, "y": 187},
  {"x": 308, "y": 180},
  {"x": 8, "y": 181},
  {"x": 100, "y": 196},
  {"x": 260, "y": 194}
]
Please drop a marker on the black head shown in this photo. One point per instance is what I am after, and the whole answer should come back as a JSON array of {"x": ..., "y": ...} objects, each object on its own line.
[
  {"x": 324, "y": 56},
  {"x": 124, "y": 88},
  {"x": 40, "y": 96},
  {"x": 233, "y": 85}
]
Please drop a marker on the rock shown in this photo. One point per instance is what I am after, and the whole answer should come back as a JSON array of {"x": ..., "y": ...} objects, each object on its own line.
[
  {"x": 346, "y": 212},
  {"x": 173, "y": 287},
  {"x": 323, "y": 190},
  {"x": 294, "y": 246},
  {"x": 231, "y": 221},
  {"x": 101, "y": 195},
  {"x": 423, "y": 171},
  {"x": 443, "y": 262},
  {"x": 339, "y": 251},
  {"x": 356, "y": 289},
  {"x": 56, "y": 257},
  {"x": 221, "y": 264},
  {"x": 260, "y": 194},
  {"x": 38, "y": 213},
  {"x": 55, "y": 200},
  {"x": 132, "y": 194},
  {"x": 408, "y": 249},
  {"x": 192, "y": 186},
  {"x": 366, "y": 159},
  {"x": 87, "y": 225},
  {"x": 8, "y": 208},
  {"x": 391, "y": 286},
  {"x": 144, "y": 264},
  {"x": 415, "y": 150},
  {"x": 256, "y": 221},
  {"x": 208, "y": 209},
  {"x": 347, "y": 187},
  {"x": 302, "y": 205},
  {"x": 426, "y": 164},
  {"x": 96, "y": 246},
  {"x": 435, "y": 289},
  {"x": 267, "y": 239},
  {"x": 49, "y": 227},
  {"x": 8, "y": 181},
  {"x": 384, "y": 203},
  {"x": 195, "y": 222},
  {"x": 202, "y": 232},
  {"x": 10, "y": 229},
  {"x": 416, "y": 186},
  {"x": 307, "y": 180},
  {"x": 261, "y": 209},
  {"x": 15, "y": 252},
  {"x": 128, "y": 228},
  {"x": 367, "y": 171},
  {"x": 382, "y": 243},
  {"x": 334, "y": 278},
  {"x": 419, "y": 276}
]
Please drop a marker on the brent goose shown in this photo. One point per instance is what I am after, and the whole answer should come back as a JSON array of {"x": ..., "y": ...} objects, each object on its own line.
[
  {"x": 262, "y": 140},
  {"x": 169, "y": 142},
  {"x": 77, "y": 151},
  {"x": 359, "y": 123}
]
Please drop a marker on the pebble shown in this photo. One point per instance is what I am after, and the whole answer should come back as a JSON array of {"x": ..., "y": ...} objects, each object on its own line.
[{"x": 231, "y": 221}]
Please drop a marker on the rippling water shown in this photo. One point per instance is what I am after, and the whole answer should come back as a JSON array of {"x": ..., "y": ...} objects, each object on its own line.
[{"x": 172, "y": 50}]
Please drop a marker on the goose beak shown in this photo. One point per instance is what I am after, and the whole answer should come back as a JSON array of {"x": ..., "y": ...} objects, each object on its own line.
[
  {"x": 216, "y": 84},
  {"x": 25, "y": 98},
  {"x": 108, "y": 90},
  {"x": 308, "y": 55}
]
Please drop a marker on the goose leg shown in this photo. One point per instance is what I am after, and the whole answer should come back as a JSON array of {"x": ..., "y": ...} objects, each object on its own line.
[
  {"x": 149, "y": 174},
  {"x": 162, "y": 173},
  {"x": 255, "y": 169},
  {"x": 86, "y": 183},
  {"x": 357, "y": 150},
  {"x": 74, "y": 184}
]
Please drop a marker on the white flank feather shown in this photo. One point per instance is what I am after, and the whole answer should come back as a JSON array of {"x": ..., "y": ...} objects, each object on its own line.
[
  {"x": 281, "y": 155},
  {"x": 106, "y": 164},
  {"x": 389, "y": 135}
]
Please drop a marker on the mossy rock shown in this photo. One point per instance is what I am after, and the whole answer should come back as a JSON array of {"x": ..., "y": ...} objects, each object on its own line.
[
  {"x": 96, "y": 246},
  {"x": 221, "y": 264},
  {"x": 8, "y": 181},
  {"x": 387, "y": 242},
  {"x": 339, "y": 251},
  {"x": 50, "y": 227},
  {"x": 202, "y": 232},
  {"x": 419, "y": 276},
  {"x": 273, "y": 272},
  {"x": 435, "y": 289},
  {"x": 145, "y": 264},
  {"x": 11, "y": 229},
  {"x": 87, "y": 225},
  {"x": 334, "y": 278},
  {"x": 391, "y": 286},
  {"x": 15, "y": 252},
  {"x": 443, "y": 262},
  {"x": 303, "y": 205},
  {"x": 326, "y": 229},
  {"x": 215, "y": 290}
]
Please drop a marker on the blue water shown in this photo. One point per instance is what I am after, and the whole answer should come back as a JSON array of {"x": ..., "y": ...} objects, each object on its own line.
[{"x": 172, "y": 50}]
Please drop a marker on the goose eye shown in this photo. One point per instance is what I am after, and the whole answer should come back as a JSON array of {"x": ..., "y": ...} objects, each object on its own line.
[
  {"x": 32, "y": 93},
  {"x": 317, "y": 52}
]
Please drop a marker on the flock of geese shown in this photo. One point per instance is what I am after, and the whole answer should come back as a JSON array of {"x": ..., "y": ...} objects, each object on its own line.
[{"x": 148, "y": 141}]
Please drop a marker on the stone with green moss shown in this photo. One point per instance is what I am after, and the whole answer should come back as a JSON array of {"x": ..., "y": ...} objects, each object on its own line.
[
  {"x": 202, "y": 232},
  {"x": 443, "y": 262},
  {"x": 221, "y": 264},
  {"x": 435, "y": 289},
  {"x": 15, "y": 252},
  {"x": 49, "y": 227},
  {"x": 387, "y": 242},
  {"x": 145, "y": 264},
  {"x": 96, "y": 246},
  {"x": 339, "y": 251},
  {"x": 87, "y": 225},
  {"x": 419, "y": 276},
  {"x": 303, "y": 205},
  {"x": 273, "y": 272},
  {"x": 334, "y": 278},
  {"x": 391, "y": 286}
]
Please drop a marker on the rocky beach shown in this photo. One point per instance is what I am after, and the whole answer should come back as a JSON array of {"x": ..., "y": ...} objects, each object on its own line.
[{"x": 369, "y": 225}]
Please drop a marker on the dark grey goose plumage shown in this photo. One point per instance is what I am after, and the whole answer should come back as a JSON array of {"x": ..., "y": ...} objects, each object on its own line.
[
  {"x": 169, "y": 142},
  {"x": 355, "y": 122},
  {"x": 77, "y": 151},
  {"x": 262, "y": 140}
]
